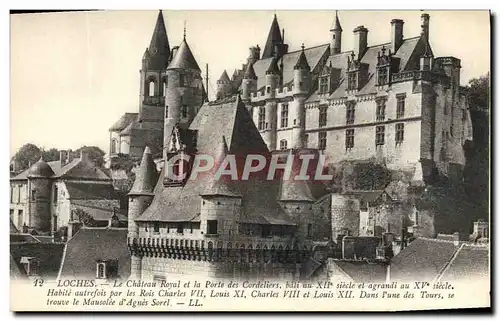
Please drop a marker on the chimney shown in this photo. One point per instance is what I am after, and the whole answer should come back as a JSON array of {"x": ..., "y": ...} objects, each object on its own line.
[
  {"x": 456, "y": 238},
  {"x": 70, "y": 156},
  {"x": 425, "y": 25},
  {"x": 62, "y": 157},
  {"x": 360, "y": 41},
  {"x": 397, "y": 34},
  {"x": 83, "y": 155}
]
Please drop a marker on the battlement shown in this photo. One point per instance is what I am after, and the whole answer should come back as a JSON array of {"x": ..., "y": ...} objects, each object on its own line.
[{"x": 281, "y": 92}]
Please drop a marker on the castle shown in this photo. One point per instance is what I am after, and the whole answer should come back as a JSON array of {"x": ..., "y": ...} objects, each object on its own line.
[{"x": 373, "y": 102}]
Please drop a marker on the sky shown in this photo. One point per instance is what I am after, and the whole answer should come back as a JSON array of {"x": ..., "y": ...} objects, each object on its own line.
[{"x": 72, "y": 75}]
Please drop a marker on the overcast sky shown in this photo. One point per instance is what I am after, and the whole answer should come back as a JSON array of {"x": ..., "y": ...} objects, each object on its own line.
[{"x": 74, "y": 74}]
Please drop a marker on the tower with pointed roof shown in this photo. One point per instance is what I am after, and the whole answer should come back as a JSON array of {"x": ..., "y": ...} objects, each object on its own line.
[
  {"x": 224, "y": 86},
  {"x": 275, "y": 46},
  {"x": 184, "y": 92},
  {"x": 301, "y": 90},
  {"x": 39, "y": 189},
  {"x": 336, "y": 36},
  {"x": 273, "y": 78},
  {"x": 249, "y": 83}
]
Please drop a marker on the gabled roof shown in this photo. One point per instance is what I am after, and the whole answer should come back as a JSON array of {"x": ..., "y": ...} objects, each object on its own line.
[
  {"x": 313, "y": 56},
  {"x": 231, "y": 119},
  {"x": 123, "y": 122},
  {"x": 159, "y": 48},
  {"x": 183, "y": 58},
  {"x": 273, "y": 38},
  {"x": 145, "y": 176},
  {"x": 89, "y": 245}
]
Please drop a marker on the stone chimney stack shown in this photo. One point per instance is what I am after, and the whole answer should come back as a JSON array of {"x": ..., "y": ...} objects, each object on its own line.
[
  {"x": 397, "y": 34},
  {"x": 360, "y": 41},
  {"x": 63, "y": 158},
  {"x": 83, "y": 155},
  {"x": 425, "y": 25}
]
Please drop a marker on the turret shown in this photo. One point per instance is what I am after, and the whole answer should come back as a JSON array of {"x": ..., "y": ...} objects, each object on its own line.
[
  {"x": 336, "y": 36},
  {"x": 301, "y": 88},
  {"x": 301, "y": 75},
  {"x": 184, "y": 91},
  {"x": 223, "y": 86},
  {"x": 273, "y": 75},
  {"x": 425, "y": 25},
  {"x": 220, "y": 200},
  {"x": 268, "y": 131},
  {"x": 296, "y": 199},
  {"x": 141, "y": 194},
  {"x": 40, "y": 190},
  {"x": 249, "y": 83},
  {"x": 426, "y": 59}
]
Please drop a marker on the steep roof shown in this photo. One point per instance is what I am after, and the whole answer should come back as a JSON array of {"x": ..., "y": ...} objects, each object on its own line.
[
  {"x": 250, "y": 72},
  {"x": 100, "y": 211},
  {"x": 184, "y": 58},
  {"x": 273, "y": 67},
  {"x": 159, "y": 48},
  {"x": 313, "y": 56},
  {"x": 89, "y": 245},
  {"x": 273, "y": 38},
  {"x": 361, "y": 271},
  {"x": 470, "y": 263},
  {"x": 293, "y": 189},
  {"x": 40, "y": 170},
  {"x": 123, "y": 122},
  {"x": 228, "y": 118},
  {"x": 422, "y": 260},
  {"x": 145, "y": 176},
  {"x": 49, "y": 256},
  {"x": 224, "y": 77},
  {"x": 408, "y": 54},
  {"x": 91, "y": 191},
  {"x": 302, "y": 61},
  {"x": 336, "y": 24}
]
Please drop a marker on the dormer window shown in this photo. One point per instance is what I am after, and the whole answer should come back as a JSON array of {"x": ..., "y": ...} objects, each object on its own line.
[
  {"x": 350, "y": 112},
  {"x": 352, "y": 81},
  {"x": 381, "y": 109},
  {"x": 323, "y": 85},
  {"x": 384, "y": 65},
  {"x": 106, "y": 269},
  {"x": 383, "y": 78},
  {"x": 31, "y": 265}
]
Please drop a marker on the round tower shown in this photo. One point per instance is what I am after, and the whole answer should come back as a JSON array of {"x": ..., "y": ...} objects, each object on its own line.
[
  {"x": 223, "y": 86},
  {"x": 301, "y": 89},
  {"x": 273, "y": 76},
  {"x": 140, "y": 197},
  {"x": 184, "y": 91},
  {"x": 249, "y": 83},
  {"x": 336, "y": 36},
  {"x": 40, "y": 189}
]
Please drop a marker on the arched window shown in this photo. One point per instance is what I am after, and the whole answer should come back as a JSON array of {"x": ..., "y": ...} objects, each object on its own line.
[
  {"x": 113, "y": 146},
  {"x": 151, "y": 88}
]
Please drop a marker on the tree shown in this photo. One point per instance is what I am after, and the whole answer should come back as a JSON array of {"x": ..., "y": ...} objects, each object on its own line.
[
  {"x": 28, "y": 153},
  {"x": 50, "y": 154},
  {"x": 479, "y": 92},
  {"x": 94, "y": 153}
]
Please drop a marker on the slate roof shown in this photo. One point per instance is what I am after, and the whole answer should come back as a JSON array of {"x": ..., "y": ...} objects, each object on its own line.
[
  {"x": 49, "y": 256},
  {"x": 13, "y": 228},
  {"x": 184, "y": 58},
  {"x": 313, "y": 56},
  {"x": 89, "y": 245},
  {"x": 365, "y": 196},
  {"x": 89, "y": 191},
  {"x": 361, "y": 271},
  {"x": 224, "y": 77},
  {"x": 100, "y": 212},
  {"x": 40, "y": 170},
  {"x": 228, "y": 118},
  {"x": 123, "y": 122},
  {"x": 76, "y": 169},
  {"x": 470, "y": 262},
  {"x": 16, "y": 272},
  {"x": 273, "y": 38},
  {"x": 23, "y": 238},
  {"x": 336, "y": 23},
  {"x": 293, "y": 189},
  {"x": 146, "y": 176},
  {"x": 422, "y": 260},
  {"x": 159, "y": 48},
  {"x": 250, "y": 72},
  {"x": 409, "y": 54},
  {"x": 302, "y": 61}
]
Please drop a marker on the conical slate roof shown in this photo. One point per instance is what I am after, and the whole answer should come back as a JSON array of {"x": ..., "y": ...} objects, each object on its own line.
[
  {"x": 336, "y": 24},
  {"x": 273, "y": 67},
  {"x": 145, "y": 176},
  {"x": 224, "y": 77},
  {"x": 250, "y": 72},
  {"x": 221, "y": 186},
  {"x": 302, "y": 61},
  {"x": 184, "y": 58},
  {"x": 40, "y": 170},
  {"x": 273, "y": 38},
  {"x": 159, "y": 48},
  {"x": 293, "y": 189}
]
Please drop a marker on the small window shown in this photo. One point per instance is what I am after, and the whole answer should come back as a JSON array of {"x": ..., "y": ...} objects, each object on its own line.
[
  {"x": 195, "y": 139},
  {"x": 212, "y": 227},
  {"x": 165, "y": 85},
  {"x": 381, "y": 110},
  {"x": 382, "y": 76},
  {"x": 184, "y": 111},
  {"x": 349, "y": 139},
  {"x": 322, "y": 141},
  {"x": 323, "y": 84},
  {"x": 400, "y": 112},
  {"x": 380, "y": 136},
  {"x": 400, "y": 133},
  {"x": 350, "y": 113},
  {"x": 322, "y": 116},
  {"x": 262, "y": 118},
  {"x": 181, "y": 80},
  {"x": 284, "y": 115},
  {"x": 156, "y": 227},
  {"x": 352, "y": 81},
  {"x": 101, "y": 270},
  {"x": 180, "y": 228},
  {"x": 268, "y": 89},
  {"x": 151, "y": 88},
  {"x": 166, "y": 111},
  {"x": 306, "y": 140},
  {"x": 33, "y": 195},
  {"x": 56, "y": 191},
  {"x": 283, "y": 144},
  {"x": 113, "y": 146}
]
